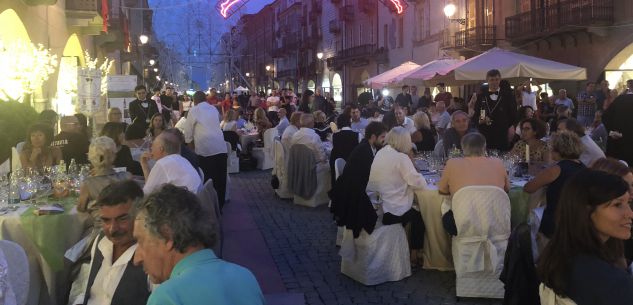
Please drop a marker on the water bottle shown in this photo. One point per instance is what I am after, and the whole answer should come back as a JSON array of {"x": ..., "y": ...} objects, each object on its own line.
[
  {"x": 61, "y": 168},
  {"x": 14, "y": 190},
  {"x": 72, "y": 168}
]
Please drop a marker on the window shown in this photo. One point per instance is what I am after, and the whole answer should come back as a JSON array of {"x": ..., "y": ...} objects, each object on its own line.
[
  {"x": 422, "y": 20},
  {"x": 385, "y": 33}
]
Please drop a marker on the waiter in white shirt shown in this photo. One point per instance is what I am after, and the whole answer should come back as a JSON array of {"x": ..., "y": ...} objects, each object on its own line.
[
  {"x": 204, "y": 135},
  {"x": 308, "y": 137},
  {"x": 170, "y": 166}
]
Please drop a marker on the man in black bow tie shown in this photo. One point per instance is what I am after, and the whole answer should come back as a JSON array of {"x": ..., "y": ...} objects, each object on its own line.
[{"x": 495, "y": 113}]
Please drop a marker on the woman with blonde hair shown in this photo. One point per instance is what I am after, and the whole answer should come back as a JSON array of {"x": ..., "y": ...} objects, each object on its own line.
[
  {"x": 229, "y": 122},
  {"x": 101, "y": 154},
  {"x": 425, "y": 136},
  {"x": 157, "y": 125},
  {"x": 395, "y": 178},
  {"x": 261, "y": 121},
  {"x": 565, "y": 149}
]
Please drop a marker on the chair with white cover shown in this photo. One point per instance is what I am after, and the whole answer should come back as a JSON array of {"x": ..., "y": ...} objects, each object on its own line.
[
  {"x": 280, "y": 170},
  {"x": 14, "y": 274},
  {"x": 209, "y": 198},
  {"x": 482, "y": 217},
  {"x": 549, "y": 297},
  {"x": 379, "y": 257},
  {"x": 233, "y": 161},
  {"x": 264, "y": 155},
  {"x": 308, "y": 180},
  {"x": 339, "y": 165}
]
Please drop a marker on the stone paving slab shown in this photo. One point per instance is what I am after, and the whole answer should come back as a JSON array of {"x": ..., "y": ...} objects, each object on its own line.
[{"x": 301, "y": 242}]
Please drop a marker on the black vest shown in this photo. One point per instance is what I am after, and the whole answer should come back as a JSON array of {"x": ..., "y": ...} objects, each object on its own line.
[{"x": 132, "y": 289}]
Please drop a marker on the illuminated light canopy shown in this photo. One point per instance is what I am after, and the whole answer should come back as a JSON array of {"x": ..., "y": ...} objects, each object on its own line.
[
  {"x": 227, "y": 8},
  {"x": 397, "y": 6},
  {"x": 26, "y": 68}
]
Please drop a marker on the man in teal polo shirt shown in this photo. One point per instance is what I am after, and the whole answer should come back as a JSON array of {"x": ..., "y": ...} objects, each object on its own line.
[{"x": 175, "y": 235}]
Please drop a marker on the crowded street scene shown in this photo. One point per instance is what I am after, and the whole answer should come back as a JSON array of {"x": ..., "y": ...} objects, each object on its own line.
[{"x": 316, "y": 152}]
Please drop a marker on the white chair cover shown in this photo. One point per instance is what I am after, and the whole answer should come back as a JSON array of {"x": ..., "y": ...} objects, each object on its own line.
[
  {"x": 482, "y": 217},
  {"x": 233, "y": 162},
  {"x": 438, "y": 150},
  {"x": 265, "y": 158},
  {"x": 380, "y": 257},
  {"x": 534, "y": 221},
  {"x": 549, "y": 297},
  {"x": 209, "y": 197},
  {"x": 14, "y": 274},
  {"x": 280, "y": 170}
]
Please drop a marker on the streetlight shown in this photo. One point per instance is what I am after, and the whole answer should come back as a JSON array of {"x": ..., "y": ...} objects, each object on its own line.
[
  {"x": 449, "y": 11},
  {"x": 155, "y": 69},
  {"x": 248, "y": 74},
  {"x": 320, "y": 55},
  {"x": 157, "y": 77},
  {"x": 152, "y": 62},
  {"x": 267, "y": 68},
  {"x": 143, "y": 39}
]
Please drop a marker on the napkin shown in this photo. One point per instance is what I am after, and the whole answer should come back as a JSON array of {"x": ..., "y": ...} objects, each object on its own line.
[{"x": 49, "y": 210}]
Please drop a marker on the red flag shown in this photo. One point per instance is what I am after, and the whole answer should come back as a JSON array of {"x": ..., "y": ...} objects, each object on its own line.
[{"x": 105, "y": 14}]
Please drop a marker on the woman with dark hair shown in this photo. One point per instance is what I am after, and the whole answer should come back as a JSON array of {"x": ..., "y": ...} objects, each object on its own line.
[
  {"x": 37, "y": 151},
  {"x": 389, "y": 119},
  {"x": 123, "y": 158},
  {"x": 83, "y": 124},
  {"x": 525, "y": 112},
  {"x": 532, "y": 132},
  {"x": 156, "y": 126},
  {"x": 565, "y": 150},
  {"x": 582, "y": 261}
]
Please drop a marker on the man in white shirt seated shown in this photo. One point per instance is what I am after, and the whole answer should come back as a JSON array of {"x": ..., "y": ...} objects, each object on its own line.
[
  {"x": 170, "y": 166},
  {"x": 283, "y": 121},
  {"x": 286, "y": 136},
  {"x": 403, "y": 120},
  {"x": 358, "y": 123},
  {"x": 113, "y": 277},
  {"x": 444, "y": 119},
  {"x": 308, "y": 137}
]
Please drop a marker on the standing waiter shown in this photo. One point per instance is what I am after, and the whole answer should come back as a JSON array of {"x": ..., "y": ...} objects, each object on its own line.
[{"x": 495, "y": 113}]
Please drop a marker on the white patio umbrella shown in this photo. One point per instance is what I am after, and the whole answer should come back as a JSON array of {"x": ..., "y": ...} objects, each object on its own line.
[
  {"x": 427, "y": 71},
  {"x": 241, "y": 89},
  {"x": 513, "y": 66},
  {"x": 387, "y": 78}
]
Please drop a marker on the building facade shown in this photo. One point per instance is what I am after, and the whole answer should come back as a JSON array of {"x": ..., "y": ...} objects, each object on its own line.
[{"x": 337, "y": 44}]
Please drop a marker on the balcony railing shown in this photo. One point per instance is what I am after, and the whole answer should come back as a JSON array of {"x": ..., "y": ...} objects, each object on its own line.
[
  {"x": 477, "y": 38},
  {"x": 366, "y": 52},
  {"x": 552, "y": 18}
]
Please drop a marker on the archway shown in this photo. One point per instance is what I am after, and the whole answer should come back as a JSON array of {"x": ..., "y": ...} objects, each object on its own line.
[
  {"x": 311, "y": 85},
  {"x": 620, "y": 69},
  {"x": 72, "y": 59},
  {"x": 337, "y": 88},
  {"x": 12, "y": 31}
]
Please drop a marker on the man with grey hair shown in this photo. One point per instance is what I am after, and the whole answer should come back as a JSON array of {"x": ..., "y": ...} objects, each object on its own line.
[
  {"x": 474, "y": 145},
  {"x": 308, "y": 137},
  {"x": 170, "y": 166},
  {"x": 175, "y": 238}
]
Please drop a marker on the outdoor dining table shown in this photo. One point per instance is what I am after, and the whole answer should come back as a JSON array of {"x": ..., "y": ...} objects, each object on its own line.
[
  {"x": 247, "y": 138},
  {"x": 437, "y": 242},
  {"x": 45, "y": 240}
]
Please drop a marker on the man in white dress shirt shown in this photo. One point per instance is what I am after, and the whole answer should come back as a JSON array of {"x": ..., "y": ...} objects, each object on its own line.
[
  {"x": 283, "y": 121},
  {"x": 113, "y": 278},
  {"x": 286, "y": 136},
  {"x": 204, "y": 135},
  {"x": 308, "y": 137},
  {"x": 170, "y": 166},
  {"x": 358, "y": 123},
  {"x": 403, "y": 120}
]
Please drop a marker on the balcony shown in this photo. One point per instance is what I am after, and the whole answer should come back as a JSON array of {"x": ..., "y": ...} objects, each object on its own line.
[
  {"x": 357, "y": 56},
  {"x": 84, "y": 16},
  {"x": 565, "y": 16},
  {"x": 479, "y": 38},
  {"x": 346, "y": 13},
  {"x": 335, "y": 26},
  {"x": 290, "y": 42}
]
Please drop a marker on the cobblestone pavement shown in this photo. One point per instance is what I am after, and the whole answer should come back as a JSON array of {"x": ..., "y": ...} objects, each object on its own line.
[{"x": 301, "y": 241}]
